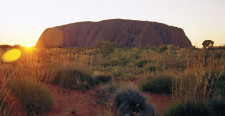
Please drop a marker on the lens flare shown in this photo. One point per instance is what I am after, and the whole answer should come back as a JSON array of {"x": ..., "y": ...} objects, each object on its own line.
[{"x": 11, "y": 55}]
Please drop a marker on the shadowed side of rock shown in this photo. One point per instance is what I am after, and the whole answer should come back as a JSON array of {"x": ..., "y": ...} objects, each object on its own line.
[{"x": 120, "y": 32}]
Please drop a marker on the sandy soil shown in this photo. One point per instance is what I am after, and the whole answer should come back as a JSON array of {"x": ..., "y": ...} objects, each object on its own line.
[
  {"x": 160, "y": 101},
  {"x": 78, "y": 103},
  {"x": 72, "y": 102}
]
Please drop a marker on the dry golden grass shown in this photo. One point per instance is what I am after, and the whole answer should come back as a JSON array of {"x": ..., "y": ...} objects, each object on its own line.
[{"x": 189, "y": 65}]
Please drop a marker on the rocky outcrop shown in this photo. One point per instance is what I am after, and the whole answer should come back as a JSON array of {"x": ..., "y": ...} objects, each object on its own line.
[{"x": 121, "y": 32}]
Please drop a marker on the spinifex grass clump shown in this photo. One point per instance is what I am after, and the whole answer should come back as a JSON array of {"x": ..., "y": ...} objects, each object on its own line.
[
  {"x": 218, "y": 105},
  {"x": 105, "y": 94},
  {"x": 101, "y": 77},
  {"x": 158, "y": 84},
  {"x": 190, "y": 108},
  {"x": 199, "y": 85},
  {"x": 34, "y": 97},
  {"x": 6, "y": 103},
  {"x": 218, "y": 84},
  {"x": 130, "y": 102},
  {"x": 104, "y": 47},
  {"x": 73, "y": 79},
  {"x": 141, "y": 63}
]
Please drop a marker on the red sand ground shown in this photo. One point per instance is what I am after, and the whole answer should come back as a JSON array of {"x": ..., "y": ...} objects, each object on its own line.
[{"x": 68, "y": 100}]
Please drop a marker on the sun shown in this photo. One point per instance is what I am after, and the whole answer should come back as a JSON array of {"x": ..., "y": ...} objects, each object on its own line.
[{"x": 28, "y": 46}]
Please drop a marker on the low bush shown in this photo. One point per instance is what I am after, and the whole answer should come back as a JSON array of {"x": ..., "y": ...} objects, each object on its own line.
[
  {"x": 5, "y": 103},
  {"x": 151, "y": 68},
  {"x": 218, "y": 84},
  {"x": 218, "y": 105},
  {"x": 122, "y": 61},
  {"x": 141, "y": 63},
  {"x": 158, "y": 84},
  {"x": 9, "y": 105},
  {"x": 190, "y": 108},
  {"x": 104, "y": 47},
  {"x": 73, "y": 79},
  {"x": 34, "y": 97},
  {"x": 162, "y": 48},
  {"x": 101, "y": 77},
  {"x": 130, "y": 102},
  {"x": 105, "y": 94}
]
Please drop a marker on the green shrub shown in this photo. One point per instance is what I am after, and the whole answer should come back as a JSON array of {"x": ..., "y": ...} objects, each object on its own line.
[
  {"x": 34, "y": 97},
  {"x": 73, "y": 79},
  {"x": 218, "y": 105},
  {"x": 104, "y": 47},
  {"x": 122, "y": 61},
  {"x": 105, "y": 94},
  {"x": 158, "y": 84},
  {"x": 218, "y": 84},
  {"x": 101, "y": 77},
  {"x": 5, "y": 103},
  {"x": 141, "y": 63},
  {"x": 118, "y": 71},
  {"x": 162, "y": 48},
  {"x": 190, "y": 108},
  {"x": 130, "y": 102},
  {"x": 152, "y": 68}
]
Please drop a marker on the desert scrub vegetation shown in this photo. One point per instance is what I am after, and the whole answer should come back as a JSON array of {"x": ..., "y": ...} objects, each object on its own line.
[
  {"x": 129, "y": 101},
  {"x": 5, "y": 108},
  {"x": 104, "y": 47},
  {"x": 105, "y": 97},
  {"x": 73, "y": 79},
  {"x": 106, "y": 93},
  {"x": 79, "y": 79},
  {"x": 198, "y": 85},
  {"x": 214, "y": 107},
  {"x": 218, "y": 105},
  {"x": 102, "y": 77},
  {"x": 199, "y": 73},
  {"x": 9, "y": 105},
  {"x": 158, "y": 84},
  {"x": 190, "y": 108},
  {"x": 217, "y": 82},
  {"x": 34, "y": 97}
]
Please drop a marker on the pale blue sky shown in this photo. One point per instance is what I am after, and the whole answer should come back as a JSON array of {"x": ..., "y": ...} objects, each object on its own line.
[{"x": 23, "y": 21}]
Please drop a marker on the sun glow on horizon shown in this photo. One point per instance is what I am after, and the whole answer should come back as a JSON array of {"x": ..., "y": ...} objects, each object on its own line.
[{"x": 28, "y": 46}]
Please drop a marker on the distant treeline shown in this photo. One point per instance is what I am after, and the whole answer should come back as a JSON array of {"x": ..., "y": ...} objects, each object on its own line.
[
  {"x": 217, "y": 47},
  {"x": 9, "y": 46}
]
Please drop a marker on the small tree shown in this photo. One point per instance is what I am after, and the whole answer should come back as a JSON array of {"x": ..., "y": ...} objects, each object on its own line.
[
  {"x": 207, "y": 44},
  {"x": 104, "y": 47}
]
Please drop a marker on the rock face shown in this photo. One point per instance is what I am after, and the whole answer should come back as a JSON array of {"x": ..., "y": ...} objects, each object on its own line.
[{"x": 121, "y": 32}]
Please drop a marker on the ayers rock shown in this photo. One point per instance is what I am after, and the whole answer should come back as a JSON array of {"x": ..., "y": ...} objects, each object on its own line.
[{"x": 121, "y": 32}]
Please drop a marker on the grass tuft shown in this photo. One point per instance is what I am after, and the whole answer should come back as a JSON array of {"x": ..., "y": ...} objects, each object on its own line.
[
  {"x": 34, "y": 97},
  {"x": 73, "y": 79},
  {"x": 190, "y": 108},
  {"x": 218, "y": 105},
  {"x": 130, "y": 101},
  {"x": 158, "y": 84},
  {"x": 101, "y": 77}
]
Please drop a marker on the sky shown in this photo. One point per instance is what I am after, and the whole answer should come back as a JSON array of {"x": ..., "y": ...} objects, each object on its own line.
[{"x": 23, "y": 21}]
